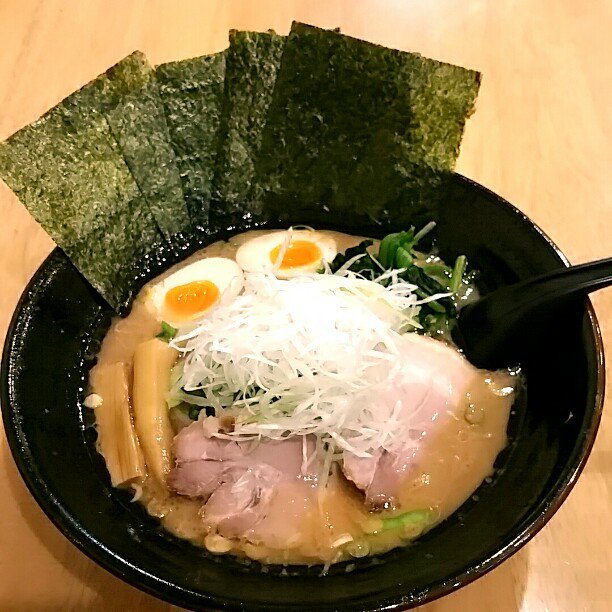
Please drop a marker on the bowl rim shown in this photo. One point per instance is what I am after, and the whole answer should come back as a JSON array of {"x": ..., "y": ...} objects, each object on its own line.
[{"x": 70, "y": 527}]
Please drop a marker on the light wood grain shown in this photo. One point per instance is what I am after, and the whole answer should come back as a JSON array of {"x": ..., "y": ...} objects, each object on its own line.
[{"x": 541, "y": 137}]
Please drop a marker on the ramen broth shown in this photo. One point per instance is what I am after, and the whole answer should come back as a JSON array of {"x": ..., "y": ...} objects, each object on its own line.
[{"x": 304, "y": 524}]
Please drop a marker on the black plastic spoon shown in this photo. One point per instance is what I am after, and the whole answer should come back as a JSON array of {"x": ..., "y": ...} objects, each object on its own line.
[{"x": 492, "y": 330}]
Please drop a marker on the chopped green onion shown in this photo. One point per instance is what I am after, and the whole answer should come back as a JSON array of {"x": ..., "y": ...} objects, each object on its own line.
[
  {"x": 438, "y": 272},
  {"x": 434, "y": 305},
  {"x": 386, "y": 252},
  {"x": 194, "y": 412},
  {"x": 457, "y": 275},
  {"x": 435, "y": 268},
  {"x": 167, "y": 332},
  {"x": 424, "y": 230},
  {"x": 407, "y": 239},
  {"x": 391, "y": 243},
  {"x": 403, "y": 259},
  {"x": 413, "y": 517},
  {"x": 437, "y": 307}
]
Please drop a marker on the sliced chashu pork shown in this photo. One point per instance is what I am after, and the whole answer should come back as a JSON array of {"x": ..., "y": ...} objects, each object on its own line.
[
  {"x": 236, "y": 480},
  {"x": 431, "y": 385}
]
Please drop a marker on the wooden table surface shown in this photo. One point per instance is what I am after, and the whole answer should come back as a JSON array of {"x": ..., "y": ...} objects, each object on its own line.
[{"x": 541, "y": 137}]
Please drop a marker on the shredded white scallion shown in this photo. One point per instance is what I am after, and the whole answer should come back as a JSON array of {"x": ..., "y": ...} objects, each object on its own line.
[{"x": 308, "y": 355}]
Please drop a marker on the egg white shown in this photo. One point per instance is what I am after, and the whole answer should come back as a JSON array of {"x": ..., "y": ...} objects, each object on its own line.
[
  {"x": 254, "y": 254},
  {"x": 223, "y": 272}
]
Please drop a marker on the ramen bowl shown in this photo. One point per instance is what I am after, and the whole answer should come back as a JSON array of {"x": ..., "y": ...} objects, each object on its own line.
[{"x": 55, "y": 333}]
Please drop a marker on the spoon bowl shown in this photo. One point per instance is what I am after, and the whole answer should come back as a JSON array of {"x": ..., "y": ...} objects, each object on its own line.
[{"x": 499, "y": 328}]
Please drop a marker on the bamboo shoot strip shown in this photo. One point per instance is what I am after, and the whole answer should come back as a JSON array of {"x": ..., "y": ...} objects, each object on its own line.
[
  {"x": 253, "y": 59},
  {"x": 191, "y": 92},
  {"x": 153, "y": 361},
  {"x": 117, "y": 440}
]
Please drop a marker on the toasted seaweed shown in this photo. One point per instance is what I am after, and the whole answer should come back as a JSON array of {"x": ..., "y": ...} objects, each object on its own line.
[
  {"x": 253, "y": 59},
  {"x": 139, "y": 124},
  {"x": 409, "y": 173},
  {"x": 191, "y": 92},
  {"x": 109, "y": 258},
  {"x": 347, "y": 127},
  {"x": 350, "y": 129},
  {"x": 128, "y": 96},
  {"x": 70, "y": 179},
  {"x": 68, "y": 170}
]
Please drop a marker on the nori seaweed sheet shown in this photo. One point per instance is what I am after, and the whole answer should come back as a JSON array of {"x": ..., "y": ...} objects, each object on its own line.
[
  {"x": 353, "y": 128},
  {"x": 151, "y": 159},
  {"x": 127, "y": 94},
  {"x": 109, "y": 259},
  {"x": 360, "y": 130},
  {"x": 68, "y": 170},
  {"x": 191, "y": 92},
  {"x": 253, "y": 60}
]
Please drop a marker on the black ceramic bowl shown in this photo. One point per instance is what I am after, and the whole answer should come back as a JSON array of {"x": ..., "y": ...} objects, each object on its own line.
[{"x": 49, "y": 347}]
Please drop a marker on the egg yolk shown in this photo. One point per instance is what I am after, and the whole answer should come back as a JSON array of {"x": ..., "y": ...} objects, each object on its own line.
[
  {"x": 190, "y": 299},
  {"x": 299, "y": 253}
]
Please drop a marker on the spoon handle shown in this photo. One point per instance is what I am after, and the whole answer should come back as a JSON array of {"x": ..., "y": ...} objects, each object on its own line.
[
  {"x": 563, "y": 283},
  {"x": 488, "y": 329}
]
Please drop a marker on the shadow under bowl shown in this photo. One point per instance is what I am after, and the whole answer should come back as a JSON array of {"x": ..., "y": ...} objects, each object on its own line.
[{"x": 52, "y": 342}]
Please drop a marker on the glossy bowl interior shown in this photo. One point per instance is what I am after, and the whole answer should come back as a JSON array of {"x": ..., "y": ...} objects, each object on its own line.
[{"x": 50, "y": 346}]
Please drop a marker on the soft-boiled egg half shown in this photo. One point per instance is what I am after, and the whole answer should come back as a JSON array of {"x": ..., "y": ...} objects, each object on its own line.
[
  {"x": 189, "y": 292},
  {"x": 287, "y": 253}
]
